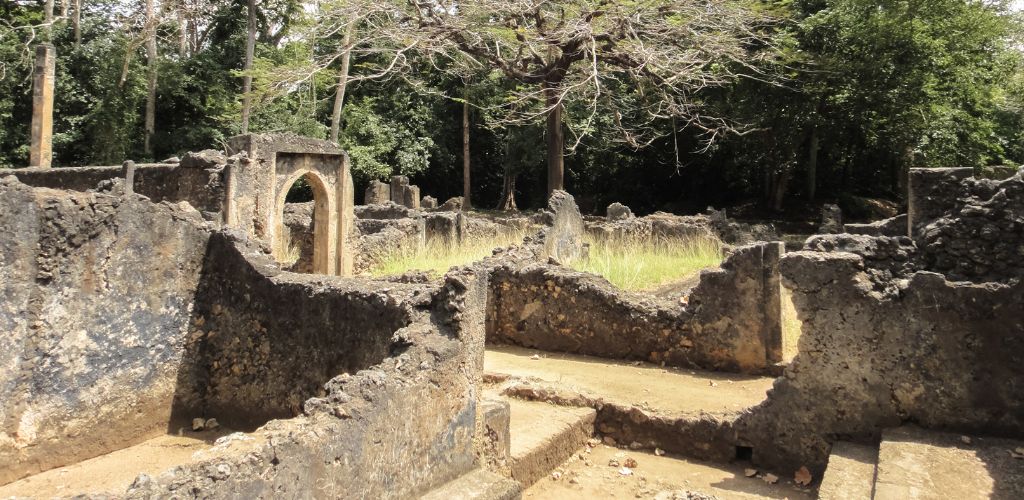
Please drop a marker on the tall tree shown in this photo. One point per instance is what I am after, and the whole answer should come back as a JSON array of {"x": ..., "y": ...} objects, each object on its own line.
[
  {"x": 250, "y": 49},
  {"x": 576, "y": 49},
  {"x": 339, "y": 94},
  {"x": 151, "y": 78}
]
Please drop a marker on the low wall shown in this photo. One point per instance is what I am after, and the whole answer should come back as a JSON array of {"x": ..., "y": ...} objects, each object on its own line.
[
  {"x": 394, "y": 430},
  {"x": 944, "y": 355},
  {"x": 97, "y": 296},
  {"x": 201, "y": 184},
  {"x": 263, "y": 341},
  {"x": 732, "y": 321}
]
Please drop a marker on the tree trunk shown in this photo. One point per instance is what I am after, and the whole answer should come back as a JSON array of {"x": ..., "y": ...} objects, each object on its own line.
[
  {"x": 465, "y": 151},
  {"x": 812, "y": 164},
  {"x": 339, "y": 95},
  {"x": 779, "y": 189},
  {"x": 182, "y": 30},
  {"x": 151, "y": 67},
  {"x": 48, "y": 19},
  {"x": 508, "y": 192},
  {"x": 76, "y": 22},
  {"x": 250, "y": 48},
  {"x": 64, "y": 6},
  {"x": 555, "y": 140}
]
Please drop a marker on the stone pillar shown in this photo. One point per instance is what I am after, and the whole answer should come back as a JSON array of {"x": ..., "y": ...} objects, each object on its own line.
[
  {"x": 377, "y": 192},
  {"x": 399, "y": 183},
  {"x": 128, "y": 172},
  {"x": 41, "y": 153},
  {"x": 412, "y": 197}
]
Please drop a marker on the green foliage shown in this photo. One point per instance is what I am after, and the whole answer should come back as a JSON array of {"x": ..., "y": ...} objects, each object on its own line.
[
  {"x": 883, "y": 84},
  {"x": 647, "y": 263}
]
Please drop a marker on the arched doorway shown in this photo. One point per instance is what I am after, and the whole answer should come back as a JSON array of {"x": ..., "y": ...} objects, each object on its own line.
[{"x": 299, "y": 247}]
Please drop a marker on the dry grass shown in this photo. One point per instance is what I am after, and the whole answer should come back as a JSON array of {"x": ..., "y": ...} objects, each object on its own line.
[
  {"x": 647, "y": 263},
  {"x": 437, "y": 256}
]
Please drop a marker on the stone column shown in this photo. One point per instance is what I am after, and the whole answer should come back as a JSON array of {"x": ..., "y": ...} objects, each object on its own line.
[{"x": 41, "y": 153}]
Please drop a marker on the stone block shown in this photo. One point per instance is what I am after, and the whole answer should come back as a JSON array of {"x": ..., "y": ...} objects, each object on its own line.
[{"x": 377, "y": 192}]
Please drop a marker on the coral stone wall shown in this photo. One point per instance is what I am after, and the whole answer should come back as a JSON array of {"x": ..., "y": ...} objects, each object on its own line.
[
  {"x": 732, "y": 322},
  {"x": 97, "y": 295},
  {"x": 263, "y": 341}
]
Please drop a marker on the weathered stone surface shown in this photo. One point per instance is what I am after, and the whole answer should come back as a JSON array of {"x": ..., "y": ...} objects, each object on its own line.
[
  {"x": 942, "y": 354},
  {"x": 893, "y": 226},
  {"x": 385, "y": 210},
  {"x": 98, "y": 291},
  {"x": 831, "y": 219},
  {"x": 453, "y": 204},
  {"x": 399, "y": 184},
  {"x": 562, "y": 240},
  {"x": 449, "y": 227},
  {"x": 412, "y": 197},
  {"x": 377, "y": 192},
  {"x": 617, "y": 211},
  {"x": 428, "y": 203},
  {"x": 732, "y": 322},
  {"x": 207, "y": 158}
]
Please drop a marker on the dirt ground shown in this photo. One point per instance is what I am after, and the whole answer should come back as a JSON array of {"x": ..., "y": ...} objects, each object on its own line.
[
  {"x": 115, "y": 471},
  {"x": 670, "y": 391},
  {"x": 592, "y": 477}
]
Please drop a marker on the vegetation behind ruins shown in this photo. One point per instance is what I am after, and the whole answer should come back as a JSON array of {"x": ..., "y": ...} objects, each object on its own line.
[
  {"x": 649, "y": 262},
  {"x": 854, "y": 93}
]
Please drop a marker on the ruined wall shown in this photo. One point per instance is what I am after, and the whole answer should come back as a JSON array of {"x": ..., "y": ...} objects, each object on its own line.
[
  {"x": 947, "y": 355},
  {"x": 732, "y": 321},
  {"x": 393, "y": 430},
  {"x": 887, "y": 340},
  {"x": 97, "y": 295},
  {"x": 264, "y": 341},
  {"x": 201, "y": 184}
]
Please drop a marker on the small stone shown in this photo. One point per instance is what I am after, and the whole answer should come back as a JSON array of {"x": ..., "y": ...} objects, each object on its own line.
[
  {"x": 713, "y": 383},
  {"x": 573, "y": 480},
  {"x": 198, "y": 424},
  {"x": 659, "y": 452},
  {"x": 625, "y": 471},
  {"x": 630, "y": 462},
  {"x": 555, "y": 476},
  {"x": 610, "y": 441},
  {"x": 613, "y": 462},
  {"x": 770, "y": 478},
  {"x": 635, "y": 445},
  {"x": 593, "y": 442},
  {"x": 750, "y": 472},
  {"x": 535, "y": 356},
  {"x": 1017, "y": 453},
  {"x": 965, "y": 439},
  {"x": 802, "y": 476}
]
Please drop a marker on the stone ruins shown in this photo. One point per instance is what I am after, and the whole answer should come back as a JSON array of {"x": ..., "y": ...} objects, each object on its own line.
[{"x": 180, "y": 330}]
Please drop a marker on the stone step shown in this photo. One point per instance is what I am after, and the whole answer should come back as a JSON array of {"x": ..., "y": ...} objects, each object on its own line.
[
  {"x": 688, "y": 412},
  {"x": 477, "y": 485},
  {"x": 544, "y": 435},
  {"x": 850, "y": 473},
  {"x": 915, "y": 464}
]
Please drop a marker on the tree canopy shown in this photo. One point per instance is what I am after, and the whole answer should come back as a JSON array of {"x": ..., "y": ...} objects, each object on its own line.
[{"x": 663, "y": 104}]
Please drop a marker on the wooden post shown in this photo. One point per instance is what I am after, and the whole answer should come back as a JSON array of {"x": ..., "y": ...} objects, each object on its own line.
[{"x": 41, "y": 153}]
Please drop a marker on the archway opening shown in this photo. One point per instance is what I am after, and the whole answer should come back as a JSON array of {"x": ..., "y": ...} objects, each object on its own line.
[{"x": 302, "y": 240}]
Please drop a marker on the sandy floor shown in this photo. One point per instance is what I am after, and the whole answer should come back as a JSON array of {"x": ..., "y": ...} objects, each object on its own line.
[
  {"x": 670, "y": 391},
  {"x": 115, "y": 471},
  {"x": 653, "y": 475}
]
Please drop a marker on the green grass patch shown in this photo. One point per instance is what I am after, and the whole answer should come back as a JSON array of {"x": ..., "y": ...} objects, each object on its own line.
[
  {"x": 437, "y": 257},
  {"x": 647, "y": 263}
]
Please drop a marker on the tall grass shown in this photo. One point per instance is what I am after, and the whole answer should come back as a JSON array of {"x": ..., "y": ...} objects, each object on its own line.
[
  {"x": 647, "y": 263},
  {"x": 438, "y": 256}
]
